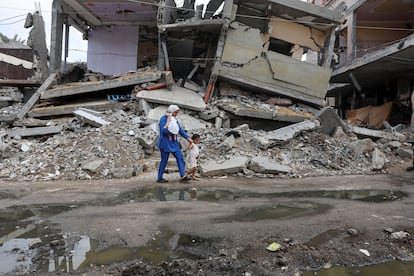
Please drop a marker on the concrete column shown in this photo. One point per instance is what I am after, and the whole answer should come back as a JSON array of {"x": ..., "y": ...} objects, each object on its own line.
[
  {"x": 56, "y": 37},
  {"x": 351, "y": 38}
]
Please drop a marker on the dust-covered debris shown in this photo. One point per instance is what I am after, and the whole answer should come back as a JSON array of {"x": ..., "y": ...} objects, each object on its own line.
[{"x": 127, "y": 146}]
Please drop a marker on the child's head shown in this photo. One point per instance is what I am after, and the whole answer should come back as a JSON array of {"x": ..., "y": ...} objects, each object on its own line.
[{"x": 195, "y": 138}]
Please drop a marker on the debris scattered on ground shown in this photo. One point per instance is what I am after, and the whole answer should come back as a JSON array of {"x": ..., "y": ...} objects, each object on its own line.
[{"x": 127, "y": 146}]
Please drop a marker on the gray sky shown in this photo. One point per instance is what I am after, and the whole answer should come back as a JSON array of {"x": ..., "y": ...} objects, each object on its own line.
[{"x": 13, "y": 14}]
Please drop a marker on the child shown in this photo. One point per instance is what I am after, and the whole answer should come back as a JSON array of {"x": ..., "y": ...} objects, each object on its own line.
[{"x": 193, "y": 153}]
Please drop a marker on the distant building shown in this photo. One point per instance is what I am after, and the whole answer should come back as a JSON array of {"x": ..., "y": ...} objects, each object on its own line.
[{"x": 16, "y": 60}]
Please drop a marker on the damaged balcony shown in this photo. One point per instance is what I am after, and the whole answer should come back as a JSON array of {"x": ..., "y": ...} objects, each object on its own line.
[{"x": 374, "y": 67}]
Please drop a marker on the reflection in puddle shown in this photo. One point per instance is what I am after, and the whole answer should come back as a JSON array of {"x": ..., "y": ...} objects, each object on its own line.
[
  {"x": 212, "y": 194},
  {"x": 386, "y": 269},
  {"x": 16, "y": 253},
  {"x": 74, "y": 253},
  {"x": 279, "y": 211}
]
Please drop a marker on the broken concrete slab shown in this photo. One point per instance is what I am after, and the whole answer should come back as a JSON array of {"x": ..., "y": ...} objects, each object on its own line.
[
  {"x": 147, "y": 138},
  {"x": 233, "y": 165},
  {"x": 330, "y": 120},
  {"x": 361, "y": 146},
  {"x": 378, "y": 159},
  {"x": 208, "y": 114},
  {"x": 95, "y": 165},
  {"x": 180, "y": 96},
  {"x": 262, "y": 164},
  {"x": 378, "y": 133},
  {"x": 38, "y": 94},
  {"x": 96, "y": 86},
  {"x": 265, "y": 111},
  {"x": 89, "y": 118},
  {"x": 143, "y": 106},
  {"x": 405, "y": 153},
  {"x": 34, "y": 131},
  {"x": 66, "y": 109},
  {"x": 262, "y": 142},
  {"x": 186, "y": 121},
  {"x": 10, "y": 94},
  {"x": 285, "y": 133},
  {"x": 227, "y": 144}
]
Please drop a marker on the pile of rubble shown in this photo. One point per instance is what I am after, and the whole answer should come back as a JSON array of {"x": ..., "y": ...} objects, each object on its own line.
[{"x": 126, "y": 147}]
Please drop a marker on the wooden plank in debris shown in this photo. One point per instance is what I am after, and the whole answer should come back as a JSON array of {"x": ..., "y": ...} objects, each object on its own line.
[
  {"x": 90, "y": 118},
  {"x": 34, "y": 131},
  {"x": 87, "y": 87},
  {"x": 35, "y": 97},
  {"x": 66, "y": 109},
  {"x": 378, "y": 133}
]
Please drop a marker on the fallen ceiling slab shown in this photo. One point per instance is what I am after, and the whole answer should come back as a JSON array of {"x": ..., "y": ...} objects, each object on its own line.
[
  {"x": 180, "y": 96},
  {"x": 96, "y": 86}
]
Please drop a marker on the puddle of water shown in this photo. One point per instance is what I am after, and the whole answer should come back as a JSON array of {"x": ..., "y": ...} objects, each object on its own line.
[
  {"x": 385, "y": 269},
  {"x": 279, "y": 211},
  {"x": 361, "y": 195},
  {"x": 71, "y": 253},
  {"x": 14, "y": 253},
  {"x": 4, "y": 195},
  {"x": 165, "y": 194},
  {"x": 18, "y": 217},
  {"x": 166, "y": 246}
]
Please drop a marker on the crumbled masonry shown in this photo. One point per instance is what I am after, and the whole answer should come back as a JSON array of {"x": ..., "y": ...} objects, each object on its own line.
[{"x": 117, "y": 150}]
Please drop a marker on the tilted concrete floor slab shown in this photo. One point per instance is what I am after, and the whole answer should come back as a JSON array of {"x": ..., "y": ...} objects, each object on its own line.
[
  {"x": 233, "y": 165},
  {"x": 180, "y": 96}
]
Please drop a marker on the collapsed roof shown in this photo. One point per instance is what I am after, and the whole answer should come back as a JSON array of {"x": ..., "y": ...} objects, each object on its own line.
[{"x": 256, "y": 44}]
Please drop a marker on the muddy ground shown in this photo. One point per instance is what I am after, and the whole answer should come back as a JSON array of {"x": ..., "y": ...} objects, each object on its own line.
[{"x": 213, "y": 226}]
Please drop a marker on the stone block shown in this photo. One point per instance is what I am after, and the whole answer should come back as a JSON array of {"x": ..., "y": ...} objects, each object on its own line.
[
  {"x": 360, "y": 147},
  {"x": 95, "y": 165},
  {"x": 404, "y": 153},
  {"x": 330, "y": 120},
  {"x": 233, "y": 165},
  {"x": 208, "y": 114},
  {"x": 147, "y": 138},
  {"x": 378, "y": 159},
  {"x": 262, "y": 164},
  {"x": 286, "y": 133},
  {"x": 261, "y": 142},
  {"x": 227, "y": 144}
]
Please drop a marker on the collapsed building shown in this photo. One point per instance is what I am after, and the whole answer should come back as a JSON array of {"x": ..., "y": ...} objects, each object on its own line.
[
  {"x": 255, "y": 46},
  {"x": 373, "y": 72}
]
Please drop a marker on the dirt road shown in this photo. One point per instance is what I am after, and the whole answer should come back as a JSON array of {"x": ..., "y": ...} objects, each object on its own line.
[{"x": 213, "y": 226}]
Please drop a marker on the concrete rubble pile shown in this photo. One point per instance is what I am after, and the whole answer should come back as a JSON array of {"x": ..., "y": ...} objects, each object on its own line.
[{"x": 125, "y": 146}]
